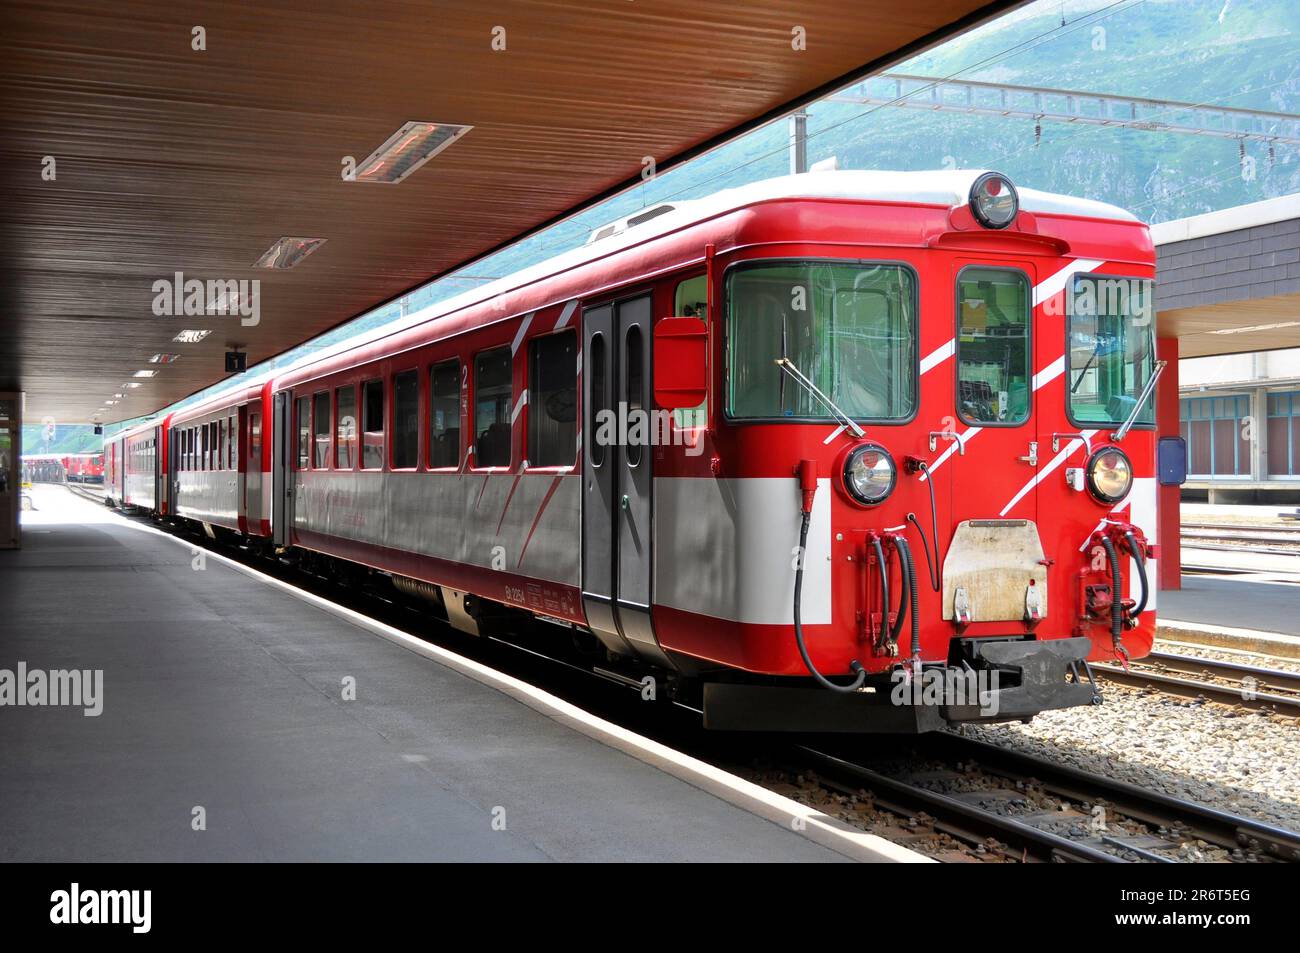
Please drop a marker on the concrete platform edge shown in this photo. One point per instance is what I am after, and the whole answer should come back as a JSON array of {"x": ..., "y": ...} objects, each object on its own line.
[{"x": 1250, "y": 640}]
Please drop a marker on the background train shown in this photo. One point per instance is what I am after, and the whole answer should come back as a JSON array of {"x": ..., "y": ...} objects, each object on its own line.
[
  {"x": 817, "y": 453},
  {"x": 63, "y": 467}
]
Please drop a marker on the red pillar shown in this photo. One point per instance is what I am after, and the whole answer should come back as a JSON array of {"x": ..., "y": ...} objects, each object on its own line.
[{"x": 1168, "y": 521}]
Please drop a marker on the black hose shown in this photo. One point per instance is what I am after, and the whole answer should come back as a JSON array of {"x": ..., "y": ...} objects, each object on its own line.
[
  {"x": 1136, "y": 550},
  {"x": 1116, "y": 591},
  {"x": 904, "y": 583},
  {"x": 933, "y": 567},
  {"x": 855, "y": 665},
  {"x": 905, "y": 556},
  {"x": 884, "y": 588}
]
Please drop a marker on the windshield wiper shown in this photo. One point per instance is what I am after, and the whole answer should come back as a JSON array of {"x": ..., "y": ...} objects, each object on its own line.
[
  {"x": 788, "y": 366},
  {"x": 1147, "y": 391},
  {"x": 1096, "y": 352}
]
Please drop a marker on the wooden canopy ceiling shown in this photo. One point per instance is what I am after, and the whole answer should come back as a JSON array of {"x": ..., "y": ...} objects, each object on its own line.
[{"x": 166, "y": 158}]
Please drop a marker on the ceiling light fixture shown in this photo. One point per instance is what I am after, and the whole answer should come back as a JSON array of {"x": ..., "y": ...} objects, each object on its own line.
[
  {"x": 191, "y": 337},
  {"x": 1257, "y": 327},
  {"x": 414, "y": 144},
  {"x": 287, "y": 252},
  {"x": 145, "y": 373},
  {"x": 163, "y": 358}
]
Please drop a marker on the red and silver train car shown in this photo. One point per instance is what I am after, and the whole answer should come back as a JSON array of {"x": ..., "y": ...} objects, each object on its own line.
[
  {"x": 220, "y": 464},
  {"x": 844, "y": 451},
  {"x": 135, "y": 467}
]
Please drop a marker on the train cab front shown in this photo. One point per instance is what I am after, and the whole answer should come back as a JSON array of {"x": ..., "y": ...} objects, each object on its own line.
[{"x": 968, "y": 447}]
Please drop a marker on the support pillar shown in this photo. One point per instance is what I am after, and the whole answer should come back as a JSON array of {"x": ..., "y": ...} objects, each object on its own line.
[{"x": 1168, "y": 498}]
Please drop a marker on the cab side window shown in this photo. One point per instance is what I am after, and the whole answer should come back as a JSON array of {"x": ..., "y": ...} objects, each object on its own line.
[{"x": 993, "y": 346}]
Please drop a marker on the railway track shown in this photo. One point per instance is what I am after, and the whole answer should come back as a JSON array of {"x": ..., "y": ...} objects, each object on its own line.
[
  {"x": 1047, "y": 812},
  {"x": 1229, "y": 683},
  {"x": 1256, "y": 539}
]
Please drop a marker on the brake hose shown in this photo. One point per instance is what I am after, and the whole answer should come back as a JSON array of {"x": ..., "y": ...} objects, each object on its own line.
[
  {"x": 932, "y": 567},
  {"x": 855, "y": 665},
  {"x": 905, "y": 556},
  {"x": 905, "y": 582},
  {"x": 1136, "y": 550},
  {"x": 884, "y": 588},
  {"x": 1116, "y": 597}
]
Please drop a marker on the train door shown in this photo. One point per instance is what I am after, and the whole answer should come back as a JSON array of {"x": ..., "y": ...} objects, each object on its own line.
[
  {"x": 617, "y": 479},
  {"x": 995, "y": 482},
  {"x": 251, "y": 464},
  {"x": 281, "y": 489},
  {"x": 159, "y": 471}
]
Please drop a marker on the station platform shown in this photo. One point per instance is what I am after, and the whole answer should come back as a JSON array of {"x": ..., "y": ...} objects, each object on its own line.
[
  {"x": 222, "y": 700},
  {"x": 1260, "y": 603}
]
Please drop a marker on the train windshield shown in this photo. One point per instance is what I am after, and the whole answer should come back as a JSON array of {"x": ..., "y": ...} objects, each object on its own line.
[
  {"x": 849, "y": 326},
  {"x": 1111, "y": 349}
]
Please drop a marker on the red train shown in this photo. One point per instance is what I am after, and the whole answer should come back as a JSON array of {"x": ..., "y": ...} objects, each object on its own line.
[
  {"x": 847, "y": 451},
  {"x": 72, "y": 467}
]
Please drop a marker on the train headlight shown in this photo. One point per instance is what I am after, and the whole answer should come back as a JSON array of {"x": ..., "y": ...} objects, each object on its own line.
[
  {"x": 869, "y": 474},
  {"x": 1110, "y": 475},
  {"x": 993, "y": 200}
]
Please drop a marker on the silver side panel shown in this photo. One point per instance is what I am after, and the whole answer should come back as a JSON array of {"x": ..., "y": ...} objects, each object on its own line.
[
  {"x": 726, "y": 548},
  {"x": 210, "y": 496},
  {"x": 451, "y": 516},
  {"x": 140, "y": 490}
]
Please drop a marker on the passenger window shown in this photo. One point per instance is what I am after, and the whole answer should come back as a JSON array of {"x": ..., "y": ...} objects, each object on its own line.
[
  {"x": 232, "y": 443},
  {"x": 692, "y": 301},
  {"x": 553, "y": 400},
  {"x": 255, "y": 441},
  {"x": 492, "y": 400},
  {"x": 345, "y": 435},
  {"x": 321, "y": 429},
  {"x": 372, "y": 413},
  {"x": 207, "y": 441},
  {"x": 596, "y": 398},
  {"x": 304, "y": 432},
  {"x": 634, "y": 389},
  {"x": 406, "y": 420},
  {"x": 993, "y": 354},
  {"x": 444, "y": 414}
]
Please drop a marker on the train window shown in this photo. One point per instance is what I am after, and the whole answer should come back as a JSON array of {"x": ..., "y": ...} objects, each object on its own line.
[
  {"x": 372, "y": 417},
  {"x": 406, "y": 420},
  {"x": 850, "y": 327},
  {"x": 493, "y": 395},
  {"x": 232, "y": 443},
  {"x": 692, "y": 301},
  {"x": 1111, "y": 352},
  {"x": 206, "y": 433},
  {"x": 634, "y": 386},
  {"x": 444, "y": 414},
  {"x": 303, "y": 414},
  {"x": 994, "y": 368},
  {"x": 553, "y": 400},
  {"x": 345, "y": 431},
  {"x": 596, "y": 402},
  {"x": 320, "y": 426},
  {"x": 255, "y": 441},
  {"x": 222, "y": 439}
]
